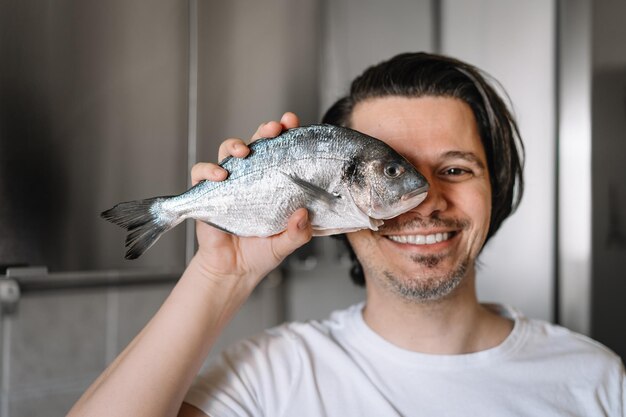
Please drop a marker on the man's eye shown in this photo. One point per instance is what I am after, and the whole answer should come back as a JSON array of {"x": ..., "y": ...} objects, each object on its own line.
[{"x": 455, "y": 172}]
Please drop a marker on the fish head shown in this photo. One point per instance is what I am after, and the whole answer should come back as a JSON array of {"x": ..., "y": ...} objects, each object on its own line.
[{"x": 384, "y": 184}]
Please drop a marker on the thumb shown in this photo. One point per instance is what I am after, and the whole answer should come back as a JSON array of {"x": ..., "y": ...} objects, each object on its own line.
[{"x": 299, "y": 232}]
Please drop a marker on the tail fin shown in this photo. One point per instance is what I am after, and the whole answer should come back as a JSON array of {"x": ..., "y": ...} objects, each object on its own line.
[{"x": 144, "y": 222}]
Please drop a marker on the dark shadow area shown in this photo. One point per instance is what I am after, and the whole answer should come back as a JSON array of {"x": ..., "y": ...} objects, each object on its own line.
[{"x": 609, "y": 208}]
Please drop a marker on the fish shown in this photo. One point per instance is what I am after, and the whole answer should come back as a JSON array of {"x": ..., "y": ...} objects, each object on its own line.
[{"x": 346, "y": 179}]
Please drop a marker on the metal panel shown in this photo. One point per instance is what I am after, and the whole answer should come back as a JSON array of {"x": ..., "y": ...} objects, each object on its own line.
[
  {"x": 252, "y": 69},
  {"x": 608, "y": 130},
  {"x": 93, "y": 99}
]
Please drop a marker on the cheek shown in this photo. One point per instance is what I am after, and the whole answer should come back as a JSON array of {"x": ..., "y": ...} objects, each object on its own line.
[
  {"x": 358, "y": 239},
  {"x": 477, "y": 206},
  {"x": 472, "y": 201},
  {"x": 363, "y": 243}
]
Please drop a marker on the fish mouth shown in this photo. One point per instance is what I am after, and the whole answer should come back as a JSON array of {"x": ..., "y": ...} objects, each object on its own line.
[
  {"x": 417, "y": 194},
  {"x": 409, "y": 201}
]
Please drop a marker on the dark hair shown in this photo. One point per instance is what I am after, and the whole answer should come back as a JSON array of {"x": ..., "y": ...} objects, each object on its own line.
[{"x": 422, "y": 74}]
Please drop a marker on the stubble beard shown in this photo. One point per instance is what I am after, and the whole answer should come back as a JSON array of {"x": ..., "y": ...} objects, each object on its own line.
[{"x": 427, "y": 287}]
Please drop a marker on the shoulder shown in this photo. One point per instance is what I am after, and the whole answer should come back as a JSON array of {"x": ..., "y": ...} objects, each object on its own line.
[
  {"x": 558, "y": 350},
  {"x": 533, "y": 335},
  {"x": 572, "y": 352},
  {"x": 560, "y": 339},
  {"x": 590, "y": 369}
]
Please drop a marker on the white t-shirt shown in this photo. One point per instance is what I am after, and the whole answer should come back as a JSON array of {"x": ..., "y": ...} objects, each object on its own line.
[{"x": 340, "y": 367}]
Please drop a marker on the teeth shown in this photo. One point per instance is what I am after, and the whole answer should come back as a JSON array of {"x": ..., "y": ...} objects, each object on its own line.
[{"x": 420, "y": 239}]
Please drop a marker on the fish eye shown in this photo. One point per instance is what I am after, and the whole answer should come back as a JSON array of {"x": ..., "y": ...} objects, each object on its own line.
[{"x": 393, "y": 170}]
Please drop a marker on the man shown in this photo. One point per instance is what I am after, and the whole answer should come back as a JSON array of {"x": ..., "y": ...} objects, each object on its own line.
[{"x": 420, "y": 344}]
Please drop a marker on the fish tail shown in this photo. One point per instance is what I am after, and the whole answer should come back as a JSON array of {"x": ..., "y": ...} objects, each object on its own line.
[{"x": 145, "y": 221}]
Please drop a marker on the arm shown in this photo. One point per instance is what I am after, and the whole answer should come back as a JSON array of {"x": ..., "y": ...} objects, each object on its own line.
[{"x": 151, "y": 376}]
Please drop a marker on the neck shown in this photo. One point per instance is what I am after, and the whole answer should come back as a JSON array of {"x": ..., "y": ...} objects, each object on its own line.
[{"x": 454, "y": 325}]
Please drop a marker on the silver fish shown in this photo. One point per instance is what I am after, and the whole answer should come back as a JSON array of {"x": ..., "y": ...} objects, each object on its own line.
[{"x": 347, "y": 180}]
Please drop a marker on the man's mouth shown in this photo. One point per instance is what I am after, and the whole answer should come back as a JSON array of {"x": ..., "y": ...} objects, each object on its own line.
[{"x": 421, "y": 239}]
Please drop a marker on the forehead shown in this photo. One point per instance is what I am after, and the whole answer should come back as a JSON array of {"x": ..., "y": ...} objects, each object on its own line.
[{"x": 424, "y": 126}]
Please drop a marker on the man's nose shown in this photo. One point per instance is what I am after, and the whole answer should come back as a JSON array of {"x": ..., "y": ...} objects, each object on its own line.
[{"x": 434, "y": 202}]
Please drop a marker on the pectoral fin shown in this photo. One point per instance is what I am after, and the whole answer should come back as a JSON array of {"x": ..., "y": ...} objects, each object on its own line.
[{"x": 313, "y": 191}]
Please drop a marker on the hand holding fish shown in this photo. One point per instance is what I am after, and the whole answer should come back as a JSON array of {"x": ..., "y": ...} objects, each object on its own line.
[{"x": 224, "y": 254}]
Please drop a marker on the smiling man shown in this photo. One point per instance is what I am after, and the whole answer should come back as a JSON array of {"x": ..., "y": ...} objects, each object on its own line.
[
  {"x": 431, "y": 248},
  {"x": 420, "y": 344},
  {"x": 426, "y": 257}
]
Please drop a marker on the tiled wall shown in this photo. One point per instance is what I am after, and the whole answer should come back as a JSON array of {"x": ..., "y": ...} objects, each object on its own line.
[{"x": 58, "y": 342}]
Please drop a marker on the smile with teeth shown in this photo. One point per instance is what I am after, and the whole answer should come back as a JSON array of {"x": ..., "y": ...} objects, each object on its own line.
[{"x": 421, "y": 239}]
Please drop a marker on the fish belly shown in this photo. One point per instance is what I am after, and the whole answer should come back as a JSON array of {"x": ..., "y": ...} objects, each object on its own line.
[{"x": 260, "y": 204}]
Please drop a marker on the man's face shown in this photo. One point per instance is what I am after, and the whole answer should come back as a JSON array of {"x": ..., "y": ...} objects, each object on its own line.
[{"x": 425, "y": 253}]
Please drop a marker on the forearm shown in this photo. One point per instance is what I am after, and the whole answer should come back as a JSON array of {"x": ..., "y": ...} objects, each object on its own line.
[{"x": 152, "y": 375}]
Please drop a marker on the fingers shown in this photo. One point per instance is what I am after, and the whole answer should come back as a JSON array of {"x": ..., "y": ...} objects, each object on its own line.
[
  {"x": 267, "y": 130},
  {"x": 207, "y": 171},
  {"x": 290, "y": 120},
  {"x": 233, "y": 147},
  {"x": 273, "y": 128},
  {"x": 298, "y": 233}
]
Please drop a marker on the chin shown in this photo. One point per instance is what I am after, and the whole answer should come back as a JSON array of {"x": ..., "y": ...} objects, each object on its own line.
[{"x": 430, "y": 284}]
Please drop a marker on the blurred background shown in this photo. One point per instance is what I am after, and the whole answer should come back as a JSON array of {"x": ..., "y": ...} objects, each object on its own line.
[{"x": 102, "y": 102}]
